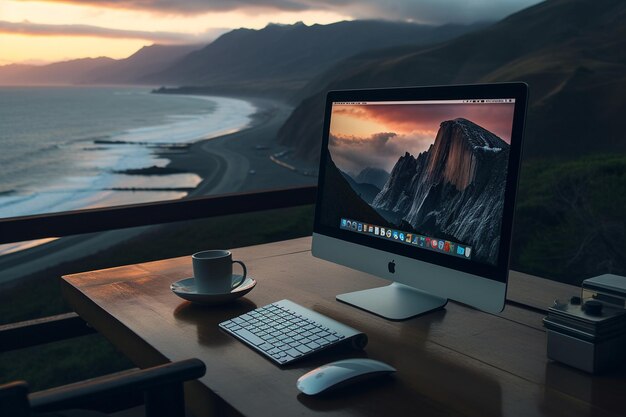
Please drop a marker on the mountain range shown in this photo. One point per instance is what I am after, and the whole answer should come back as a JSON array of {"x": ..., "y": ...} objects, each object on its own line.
[
  {"x": 572, "y": 53},
  {"x": 277, "y": 60},
  {"x": 62, "y": 73},
  {"x": 100, "y": 70},
  {"x": 285, "y": 57}
]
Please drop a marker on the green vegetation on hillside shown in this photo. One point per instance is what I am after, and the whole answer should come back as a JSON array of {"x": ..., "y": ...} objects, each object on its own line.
[{"x": 569, "y": 222}]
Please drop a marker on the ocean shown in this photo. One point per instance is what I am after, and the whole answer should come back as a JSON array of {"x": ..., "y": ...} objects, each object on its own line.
[{"x": 66, "y": 148}]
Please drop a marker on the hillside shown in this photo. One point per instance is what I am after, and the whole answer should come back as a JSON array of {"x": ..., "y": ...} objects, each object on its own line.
[
  {"x": 60, "y": 73},
  {"x": 101, "y": 70},
  {"x": 283, "y": 58},
  {"x": 572, "y": 53},
  {"x": 144, "y": 61}
]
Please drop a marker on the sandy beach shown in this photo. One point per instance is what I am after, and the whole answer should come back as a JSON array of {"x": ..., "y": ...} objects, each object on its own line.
[
  {"x": 231, "y": 163},
  {"x": 241, "y": 161}
]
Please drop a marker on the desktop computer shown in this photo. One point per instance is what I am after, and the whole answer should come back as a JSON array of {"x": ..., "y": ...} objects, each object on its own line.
[{"x": 417, "y": 186}]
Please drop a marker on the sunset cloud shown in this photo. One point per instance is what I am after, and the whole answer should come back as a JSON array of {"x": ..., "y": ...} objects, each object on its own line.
[
  {"x": 425, "y": 119},
  {"x": 377, "y": 140},
  {"x": 355, "y": 145},
  {"x": 37, "y": 29},
  {"x": 426, "y": 11},
  {"x": 381, "y": 150},
  {"x": 197, "y": 6}
]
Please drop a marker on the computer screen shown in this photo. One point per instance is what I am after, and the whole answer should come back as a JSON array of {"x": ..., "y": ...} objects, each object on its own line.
[{"x": 423, "y": 174}]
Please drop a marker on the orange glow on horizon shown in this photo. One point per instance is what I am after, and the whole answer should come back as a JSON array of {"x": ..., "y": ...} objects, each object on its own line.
[
  {"x": 348, "y": 125},
  {"x": 18, "y": 47}
]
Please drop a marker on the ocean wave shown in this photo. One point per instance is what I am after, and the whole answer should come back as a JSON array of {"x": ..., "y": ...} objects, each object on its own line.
[
  {"x": 230, "y": 115},
  {"x": 98, "y": 178}
]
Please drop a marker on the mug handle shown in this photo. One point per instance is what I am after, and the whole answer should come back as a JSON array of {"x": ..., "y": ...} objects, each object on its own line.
[{"x": 245, "y": 272}]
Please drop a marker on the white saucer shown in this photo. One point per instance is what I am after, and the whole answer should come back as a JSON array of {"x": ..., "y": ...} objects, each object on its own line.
[{"x": 186, "y": 288}]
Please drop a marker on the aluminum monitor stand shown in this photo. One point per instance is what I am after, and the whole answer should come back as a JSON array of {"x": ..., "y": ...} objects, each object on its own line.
[{"x": 394, "y": 302}]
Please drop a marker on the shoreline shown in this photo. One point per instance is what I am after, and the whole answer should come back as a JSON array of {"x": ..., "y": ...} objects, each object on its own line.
[
  {"x": 186, "y": 158},
  {"x": 235, "y": 162}
]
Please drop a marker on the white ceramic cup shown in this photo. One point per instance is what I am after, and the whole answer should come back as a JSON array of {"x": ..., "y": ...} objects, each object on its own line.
[{"x": 213, "y": 271}]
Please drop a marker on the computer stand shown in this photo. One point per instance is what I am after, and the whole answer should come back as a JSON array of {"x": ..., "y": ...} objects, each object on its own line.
[{"x": 394, "y": 302}]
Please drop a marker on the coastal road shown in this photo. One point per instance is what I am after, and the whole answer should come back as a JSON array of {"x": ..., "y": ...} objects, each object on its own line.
[
  {"x": 236, "y": 155},
  {"x": 224, "y": 163}
]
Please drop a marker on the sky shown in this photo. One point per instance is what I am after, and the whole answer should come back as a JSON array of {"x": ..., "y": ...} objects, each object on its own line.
[
  {"x": 45, "y": 31},
  {"x": 375, "y": 136}
]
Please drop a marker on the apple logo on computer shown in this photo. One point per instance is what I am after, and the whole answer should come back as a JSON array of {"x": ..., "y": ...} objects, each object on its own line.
[{"x": 392, "y": 267}]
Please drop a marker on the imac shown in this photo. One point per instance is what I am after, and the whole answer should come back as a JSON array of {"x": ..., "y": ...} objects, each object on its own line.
[{"x": 417, "y": 186}]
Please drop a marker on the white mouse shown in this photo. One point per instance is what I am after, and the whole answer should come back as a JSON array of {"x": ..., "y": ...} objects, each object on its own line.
[{"x": 341, "y": 373}]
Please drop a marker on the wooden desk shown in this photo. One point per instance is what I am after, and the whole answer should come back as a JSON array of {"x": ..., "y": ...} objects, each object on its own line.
[{"x": 457, "y": 361}]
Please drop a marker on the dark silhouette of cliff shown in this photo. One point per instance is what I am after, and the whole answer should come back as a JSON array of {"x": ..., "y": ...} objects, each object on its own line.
[
  {"x": 375, "y": 176},
  {"x": 340, "y": 200},
  {"x": 281, "y": 59},
  {"x": 572, "y": 53}
]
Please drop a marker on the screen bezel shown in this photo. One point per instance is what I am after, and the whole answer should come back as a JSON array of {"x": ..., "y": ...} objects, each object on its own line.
[{"x": 517, "y": 91}]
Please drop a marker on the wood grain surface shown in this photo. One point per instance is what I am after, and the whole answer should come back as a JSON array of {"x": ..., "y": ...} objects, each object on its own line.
[{"x": 457, "y": 361}]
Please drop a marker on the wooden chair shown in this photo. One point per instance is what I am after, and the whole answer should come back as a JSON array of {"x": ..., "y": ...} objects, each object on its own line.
[{"x": 162, "y": 387}]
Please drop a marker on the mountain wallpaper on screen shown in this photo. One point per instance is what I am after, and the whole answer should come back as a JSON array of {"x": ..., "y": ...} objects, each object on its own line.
[{"x": 453, "y": 190}]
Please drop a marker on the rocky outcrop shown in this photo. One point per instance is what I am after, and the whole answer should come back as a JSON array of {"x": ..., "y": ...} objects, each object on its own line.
[{"x": 455, "y": 188}]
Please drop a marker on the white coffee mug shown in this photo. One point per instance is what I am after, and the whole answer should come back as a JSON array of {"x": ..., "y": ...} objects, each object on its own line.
[{"x": 213, "y": 271}]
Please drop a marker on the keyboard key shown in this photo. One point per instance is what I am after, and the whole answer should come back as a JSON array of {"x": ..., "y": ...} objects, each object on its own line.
[
  {"x": 303, "y": 349},
  {"x": 266, "y": 346},
  {"x": 250, "y": 337},
  {"x": 313, "y": 345},
  {"x": 293, "y": 353}
]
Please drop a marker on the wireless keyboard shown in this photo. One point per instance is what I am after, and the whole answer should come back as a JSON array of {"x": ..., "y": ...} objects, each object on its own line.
[{"x": 285, "y": 331}]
